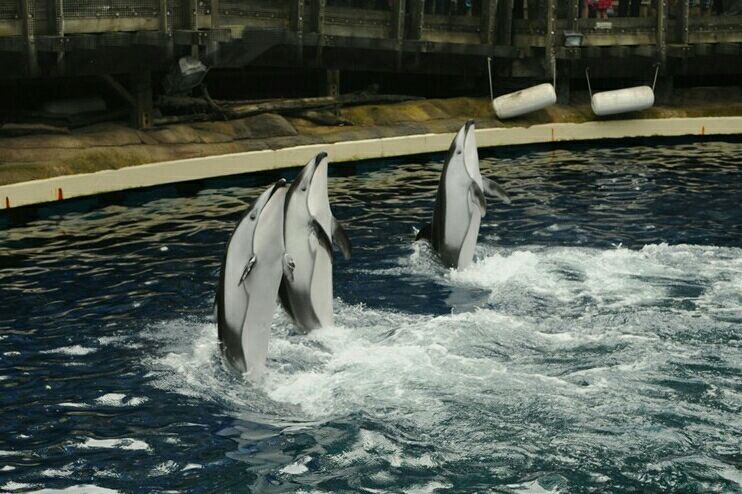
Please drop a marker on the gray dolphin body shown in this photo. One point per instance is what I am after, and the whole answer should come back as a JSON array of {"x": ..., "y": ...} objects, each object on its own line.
[
  {"x": 250, "y": 276},
  {"x": 460, "y": 204},
  {"x": 309, "y": 232}
]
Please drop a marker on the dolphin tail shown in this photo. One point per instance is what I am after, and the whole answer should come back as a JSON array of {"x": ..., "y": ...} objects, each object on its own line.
[
  {"x": 491, "y": 188},
  {"x": 341, "y": 238},
  {"x": 425, "y": 233}
]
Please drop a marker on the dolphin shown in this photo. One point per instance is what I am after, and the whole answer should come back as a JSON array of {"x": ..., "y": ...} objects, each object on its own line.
[
  {"x": 460, "y": 204},
  {"x": 309, "y": 231},
  {"x": 250, "y": 275}
]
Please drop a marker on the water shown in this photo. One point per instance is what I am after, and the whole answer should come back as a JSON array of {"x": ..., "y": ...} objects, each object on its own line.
[{"x": 594, "y": 346}]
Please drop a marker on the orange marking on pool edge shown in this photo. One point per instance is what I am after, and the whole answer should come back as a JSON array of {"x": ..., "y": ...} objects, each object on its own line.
[
  {"x": 553, "y": 135},
  {"x": 60, "y": 194},
  {"x": 7, "y": 202},
  {"x": 703, "y": 130}
]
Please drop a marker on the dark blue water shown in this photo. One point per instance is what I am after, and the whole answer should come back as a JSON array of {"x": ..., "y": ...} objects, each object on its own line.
[{"x": 594, "y": 346}]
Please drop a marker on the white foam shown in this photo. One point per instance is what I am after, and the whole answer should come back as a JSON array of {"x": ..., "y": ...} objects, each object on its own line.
[
  {"x": 71, "y": 350},
  {"x": 125, "y": 443},
  {"x": 298, "y": 467},
  {"x": 577, "y": 335},
  {"x": 81, "y": 489},
  {"x": 7, "y": 468},
  {"x": 120, "y": 400},
  {"x": 16, "y": 486}
]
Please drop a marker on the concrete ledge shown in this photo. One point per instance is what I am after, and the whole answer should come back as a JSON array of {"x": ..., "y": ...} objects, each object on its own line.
[{"x": 71, "y": 186}]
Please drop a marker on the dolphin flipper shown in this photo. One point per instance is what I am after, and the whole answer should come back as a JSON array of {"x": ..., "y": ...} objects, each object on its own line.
[
  {"x": 322, "y": 236},
  {"x": 477, "y": 197},
  {"x": 288, "y": 267},
  {"x": 425, "y": 233},
  {"x": 341, "y": 238},
  {"x": 492, "y": 189},
  {"x": 248, "y": 268}
]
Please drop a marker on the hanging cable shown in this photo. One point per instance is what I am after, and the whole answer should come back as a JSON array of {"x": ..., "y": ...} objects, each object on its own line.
[
  {"x": 489, "y": 73},
  {"x": 587, "y": 75}
]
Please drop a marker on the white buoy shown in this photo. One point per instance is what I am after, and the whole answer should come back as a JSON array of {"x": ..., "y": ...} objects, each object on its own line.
[
  {"x": 626, "y": 100},
  {"x": 622, "y": 100},
  {"x": 524, "y": 101}
]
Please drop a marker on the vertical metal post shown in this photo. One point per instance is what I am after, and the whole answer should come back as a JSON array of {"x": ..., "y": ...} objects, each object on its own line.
[
  {"x": 318, "y": 16},
  {"x": 398, "y": 18},
  {"x": 418, "y": 19},
  {"x": 192, "y": 23},
  {"x": 215, "y": 16},
  {"x": 550, "y": 41},
  {"x": 506, "y": 28},
  {"x": 487, "y": 21},
  {"x": 574, "y": 14},
  {"x": 142, "y": 83},
  {"x": 332, "y": 82},
  {"x": 55, "y": 16},
  {"x": 684, "y": 21},
  {"x": 27, "y": 14},
  {"x": 398, "y": 28},
  {"x": 662, "y": 31},
  {"x": 297, "y": 23},
  {"x": 166, "y": 27}
]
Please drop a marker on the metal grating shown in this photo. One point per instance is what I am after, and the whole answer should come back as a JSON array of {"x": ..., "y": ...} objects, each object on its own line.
[
  {"x": 111, "y": 8},
  {"x": 9, "y": 9}
]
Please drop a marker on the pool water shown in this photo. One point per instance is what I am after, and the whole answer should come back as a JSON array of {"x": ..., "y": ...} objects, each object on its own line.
[{"x": 595, "y": 345}]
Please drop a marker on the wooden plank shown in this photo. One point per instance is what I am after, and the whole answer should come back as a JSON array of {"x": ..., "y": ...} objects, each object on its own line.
[
  {"x": 487, "y": 21},
  {"x": 11, "y": 28}
]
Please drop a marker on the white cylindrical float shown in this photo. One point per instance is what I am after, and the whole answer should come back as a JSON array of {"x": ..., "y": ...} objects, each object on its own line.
[
  {"x": 524, "y": 101},
  {"x": 623, "y": 100}
]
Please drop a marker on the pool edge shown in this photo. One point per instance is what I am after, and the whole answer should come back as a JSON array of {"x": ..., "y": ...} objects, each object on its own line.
[{"x": 168, "y": 172}]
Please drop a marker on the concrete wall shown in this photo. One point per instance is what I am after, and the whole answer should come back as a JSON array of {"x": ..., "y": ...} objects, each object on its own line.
[{"x": 71, "y": 186}]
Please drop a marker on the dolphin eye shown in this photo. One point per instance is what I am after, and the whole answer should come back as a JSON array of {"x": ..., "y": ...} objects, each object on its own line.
[
  {"x": 252, "y": 216},
  {"x": 304, "y": 188},
  {"x": 458, "y": 152}
]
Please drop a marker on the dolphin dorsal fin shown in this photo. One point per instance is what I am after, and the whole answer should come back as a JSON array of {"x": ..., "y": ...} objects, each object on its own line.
[{"x": 341, "y": 238}]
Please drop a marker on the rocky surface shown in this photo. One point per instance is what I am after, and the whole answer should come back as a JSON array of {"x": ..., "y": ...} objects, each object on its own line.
[{"x": 114, "y": 145}]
